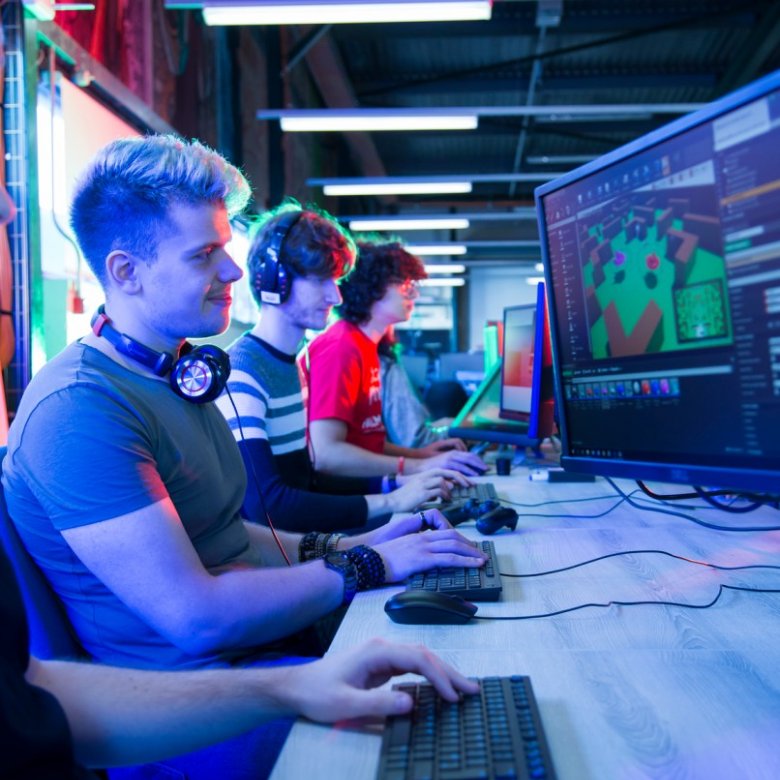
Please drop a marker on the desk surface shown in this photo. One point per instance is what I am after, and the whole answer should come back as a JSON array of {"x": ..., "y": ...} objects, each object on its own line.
[{"x": 643, "y": 691}]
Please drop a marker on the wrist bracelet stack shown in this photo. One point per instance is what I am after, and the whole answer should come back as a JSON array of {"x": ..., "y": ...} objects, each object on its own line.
[
  {"x": 369, "y": 565},
  {"x": 315, "y": 545}
]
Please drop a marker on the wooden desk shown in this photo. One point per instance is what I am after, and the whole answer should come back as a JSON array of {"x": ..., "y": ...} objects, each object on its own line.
[{"x": 624, "y": 692}]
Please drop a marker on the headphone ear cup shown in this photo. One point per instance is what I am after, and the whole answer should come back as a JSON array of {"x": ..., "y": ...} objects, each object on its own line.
[{"x": 201, "y": 375}]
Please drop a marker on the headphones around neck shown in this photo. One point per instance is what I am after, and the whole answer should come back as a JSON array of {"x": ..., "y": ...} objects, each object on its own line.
[
  {"x": 273, "y": 281},
  {"x": 198, "y": 375}
]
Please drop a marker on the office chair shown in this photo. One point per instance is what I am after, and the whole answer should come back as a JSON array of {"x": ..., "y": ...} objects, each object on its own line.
[{"x": 51, "y": 635}]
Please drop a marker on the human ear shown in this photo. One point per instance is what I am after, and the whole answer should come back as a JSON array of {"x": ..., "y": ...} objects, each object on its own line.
[{"x": 122, "y": 271}]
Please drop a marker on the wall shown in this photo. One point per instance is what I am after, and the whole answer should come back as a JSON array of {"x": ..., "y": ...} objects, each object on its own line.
[{"x": 491, "y": 290}]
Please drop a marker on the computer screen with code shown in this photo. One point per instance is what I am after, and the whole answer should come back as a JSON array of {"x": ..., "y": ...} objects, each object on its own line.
[{"x": 662, "y": 262}]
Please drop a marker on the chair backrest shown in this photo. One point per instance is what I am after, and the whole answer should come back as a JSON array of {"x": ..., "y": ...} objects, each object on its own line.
[{"x": 51, "y": 635}]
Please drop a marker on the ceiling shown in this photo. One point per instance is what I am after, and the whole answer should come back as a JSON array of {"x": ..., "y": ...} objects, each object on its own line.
[{"x": 647, "y": 55}]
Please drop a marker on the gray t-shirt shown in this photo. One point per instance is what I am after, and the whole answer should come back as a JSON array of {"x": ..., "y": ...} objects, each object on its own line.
[{"x": 93, "y": 441}]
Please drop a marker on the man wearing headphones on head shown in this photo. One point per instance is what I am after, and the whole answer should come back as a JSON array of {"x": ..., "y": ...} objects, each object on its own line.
[
  {"x": 296, "y": 259},
  {"x": 125, "y": 482}
]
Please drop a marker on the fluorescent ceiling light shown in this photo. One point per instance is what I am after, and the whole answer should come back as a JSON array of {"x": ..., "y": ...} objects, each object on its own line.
[
  {"x": 539, "y": 267},
  {"x": 444, "y": 282},
  {"x": 350, "y": 12},
  {"x": 400, "y": 188},
  {"x": 534, "y": 280},
  {"x": 445, "y": 268},
  {"x": 441, "y": 223},
  {"x": 429, "y": 250},
  {"x": 370, "y": 120}
]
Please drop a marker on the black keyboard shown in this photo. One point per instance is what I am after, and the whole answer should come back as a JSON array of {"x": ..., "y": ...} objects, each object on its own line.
[
  {"x": 496, "y": 734},
  {"x": 483, "y": 584},
  {"x": 482, "y": 491}
]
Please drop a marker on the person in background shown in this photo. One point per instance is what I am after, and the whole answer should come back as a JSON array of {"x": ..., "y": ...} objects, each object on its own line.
[
  {"x": 406, "y": 418},
  {"x": 59, "y": 717},
  {"x": 342, "y": 372},
  {"x": 296, "y": 258},
  {"x": 123, "y": 479}
]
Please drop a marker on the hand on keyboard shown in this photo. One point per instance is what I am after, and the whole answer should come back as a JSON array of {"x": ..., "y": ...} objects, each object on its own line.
[{"x": 414, "y": 553}]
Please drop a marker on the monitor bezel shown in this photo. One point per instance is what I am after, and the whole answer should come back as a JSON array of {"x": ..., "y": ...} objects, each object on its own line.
[
  {"x": 532, "y": 416},
  {"x": 744, "y": 478}
]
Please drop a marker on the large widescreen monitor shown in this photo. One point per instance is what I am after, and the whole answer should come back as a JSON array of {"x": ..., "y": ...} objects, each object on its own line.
[{"x": 662, "y": 262}]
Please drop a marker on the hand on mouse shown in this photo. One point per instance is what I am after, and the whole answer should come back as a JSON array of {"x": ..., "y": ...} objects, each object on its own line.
[
  {"x": 465, "y": 462},
  {"x": 443, "y": 445},
  {"x": 413, "y": 553}
]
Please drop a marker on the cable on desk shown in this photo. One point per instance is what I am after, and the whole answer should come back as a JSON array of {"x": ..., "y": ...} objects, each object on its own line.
[
  {"x": 756, "y": 499},
  {"x": 712, "y": 603},
  {"x": 562, "y": 501},
  {"x": 674, "y": 513},
  {"x": 643, "y": 552}
]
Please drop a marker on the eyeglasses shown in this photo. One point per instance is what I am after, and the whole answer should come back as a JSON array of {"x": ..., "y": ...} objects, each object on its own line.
[{"x": 409, "y": 288}]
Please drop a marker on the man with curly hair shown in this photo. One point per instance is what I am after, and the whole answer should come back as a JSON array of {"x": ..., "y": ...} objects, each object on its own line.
[{"x": 343, "y": 373}]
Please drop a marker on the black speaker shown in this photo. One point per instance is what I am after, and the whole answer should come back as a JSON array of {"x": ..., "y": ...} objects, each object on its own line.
[
  {"x": 198, "y": 375},
  {"x": 273, "y": 281}
]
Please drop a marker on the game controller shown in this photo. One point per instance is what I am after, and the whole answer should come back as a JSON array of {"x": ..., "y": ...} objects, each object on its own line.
[
  {"x": 468, "y": 509},
  {"x": 497, "y": 518}
]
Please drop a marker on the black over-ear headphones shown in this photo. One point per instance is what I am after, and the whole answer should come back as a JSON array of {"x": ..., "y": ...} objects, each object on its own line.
[
  {"x": 273, "y": 281},
  {"x": 199, "y": 375}
]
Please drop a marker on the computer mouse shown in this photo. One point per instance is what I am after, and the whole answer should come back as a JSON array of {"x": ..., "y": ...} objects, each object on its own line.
[{"x": 423, "y": 608}]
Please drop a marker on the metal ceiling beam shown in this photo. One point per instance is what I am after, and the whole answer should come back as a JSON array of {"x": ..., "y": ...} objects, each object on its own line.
[
  {"x": 328, "y": 73},
  {"x": 598, "y": 43},
  {"x": 763, "y": 41}
]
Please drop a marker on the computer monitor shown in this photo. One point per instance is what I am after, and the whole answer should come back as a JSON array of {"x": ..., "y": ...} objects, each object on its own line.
[
  {"x": 662, "y": 261},
  {"x": 526, "y": 369}
]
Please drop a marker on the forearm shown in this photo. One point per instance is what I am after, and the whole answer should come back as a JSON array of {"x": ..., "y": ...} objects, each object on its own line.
[
  {"x": 244, "y": 609},
  {"x": 127, "y": 716},
  {"x": 341, "y": 457}
]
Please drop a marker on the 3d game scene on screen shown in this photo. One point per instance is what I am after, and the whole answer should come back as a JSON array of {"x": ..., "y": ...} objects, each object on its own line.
[{"x": 653, "y": 271}]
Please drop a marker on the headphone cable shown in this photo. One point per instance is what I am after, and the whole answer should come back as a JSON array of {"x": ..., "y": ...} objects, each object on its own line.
[{"x": 256, "y": 480}]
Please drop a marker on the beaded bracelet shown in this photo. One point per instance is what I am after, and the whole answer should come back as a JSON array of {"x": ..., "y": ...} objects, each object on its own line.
[
  {"x": 369, "y": 565},
  {"x": 306, "y": 546},
  {"x": 321, "y": 546}
]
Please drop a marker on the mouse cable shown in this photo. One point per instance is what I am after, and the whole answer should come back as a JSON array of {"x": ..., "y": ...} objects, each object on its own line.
[
  {"x": 256, "y": 480},
  {"x": 576, "y": 517},
  {"x": 673, "y": 513},
  {"x": 756, "y": 499},
  {"x": 643, "y": 552},
  {"x": 607, "y": 604}
]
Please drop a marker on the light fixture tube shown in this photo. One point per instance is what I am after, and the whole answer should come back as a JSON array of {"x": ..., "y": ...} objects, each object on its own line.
[
  {"x": 410, "y": 188},
  {"x": 443, "y": 223},
  {"x": 362, "y": 11},
  {"x": 331, "y": 121},
  {"x": 429, "y": 250},
  {"x": 443, "y": 282},
  {"x": 534, "y": 280},
  {"x": 445, "y": 268}
]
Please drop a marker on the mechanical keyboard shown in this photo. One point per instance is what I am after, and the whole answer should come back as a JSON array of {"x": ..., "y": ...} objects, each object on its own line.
[
  {"x": 482, "y": 491},
  {"x": 496, "y": 734},
  {"x": 483, "y": 584}
]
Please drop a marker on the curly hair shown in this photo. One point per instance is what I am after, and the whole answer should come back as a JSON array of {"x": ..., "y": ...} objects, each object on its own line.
[
  {"x": 379, "y": 264},
  {"x": 123, "y": 197},
  {"x": 315, "y": 245}
]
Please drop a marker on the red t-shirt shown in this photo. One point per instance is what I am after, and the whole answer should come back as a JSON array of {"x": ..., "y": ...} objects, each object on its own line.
[{"x": 343, "y": 383}]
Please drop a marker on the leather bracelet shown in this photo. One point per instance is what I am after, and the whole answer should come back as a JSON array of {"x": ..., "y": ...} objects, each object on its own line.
[
  {"x": 321, "y": 545},
  {"x": 331, "y": 545},
  {"x": 369, "y": 565}
]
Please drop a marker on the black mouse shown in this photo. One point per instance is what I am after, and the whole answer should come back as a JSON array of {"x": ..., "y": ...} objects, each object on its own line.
[{"x": 423, "y": 608}]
